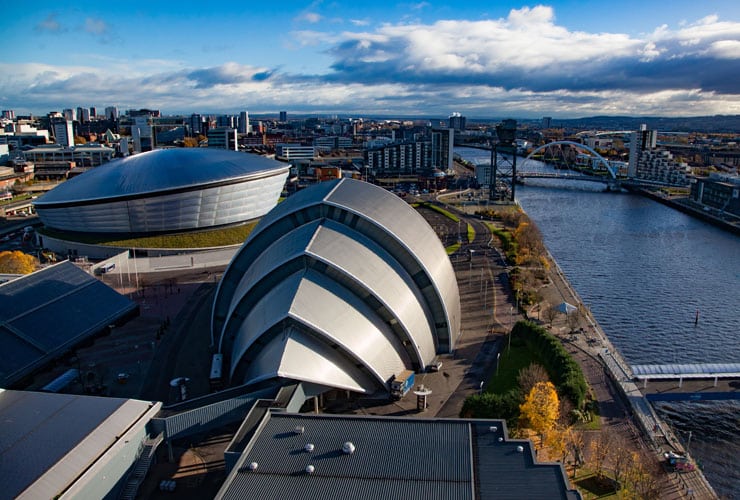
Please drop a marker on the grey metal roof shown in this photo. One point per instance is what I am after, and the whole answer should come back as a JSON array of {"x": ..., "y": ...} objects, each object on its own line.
[
  {"x": 503, "y": 472},
  {"x": 394, "y": 458},
  {"x": 352, "y": 258},
  {"x": 48, "y": 440},
  {"x": 686, "y": 370},
  {"x": 160, "y": 170},
  {"x": 390, "y": 232},
  {"x": 47, "y": 312}
]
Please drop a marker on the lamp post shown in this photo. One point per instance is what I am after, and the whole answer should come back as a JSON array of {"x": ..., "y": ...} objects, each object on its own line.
[
  {"x": 511, "y": 330},
  {"x": 470, "y": 271}
]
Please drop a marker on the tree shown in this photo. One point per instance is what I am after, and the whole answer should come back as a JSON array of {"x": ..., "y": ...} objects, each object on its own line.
[
  {"x": 600, "y": 449},
  {"x": 17, "y": 262},
  {"x": 190, "y": 142},
  {"x": 550, "y": 314},
  {"x": 539, "y": 411},
  {"x": 640, "y": 482},
  {"x": 80, "y": 140},
  {"x": 530, "y": 376}
]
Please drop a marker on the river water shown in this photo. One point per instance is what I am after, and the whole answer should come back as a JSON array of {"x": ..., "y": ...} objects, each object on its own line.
[{"x": 645, "y": 269}]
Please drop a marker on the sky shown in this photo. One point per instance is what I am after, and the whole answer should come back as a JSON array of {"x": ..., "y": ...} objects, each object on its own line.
[{"x": 496, "y": 58}]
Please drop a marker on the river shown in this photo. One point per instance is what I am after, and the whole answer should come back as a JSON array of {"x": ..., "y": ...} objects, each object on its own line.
[{"x": 645, "y": 269}]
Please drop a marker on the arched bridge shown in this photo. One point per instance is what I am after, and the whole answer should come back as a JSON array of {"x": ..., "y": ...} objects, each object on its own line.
[
  {"x": 522, "y": 173},
  {"x": 612, "y": 170}
]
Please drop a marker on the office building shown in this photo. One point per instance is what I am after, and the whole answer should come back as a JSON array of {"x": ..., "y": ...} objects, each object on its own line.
[
  {"x": 283, "y": 116},
  {"x": 69, "y": 114},
  {"x": 244, "y": 126},
  {"x": 111, "y": 113},
  {"x": 290, "y": 152},
  {"x": 457, "y": 122},
  {"x": 63, "y": 131},
  {"x": 547, "y": 122},
  {"x": 9, "y": 114},
  {"x": 223, "y": 138},
  {"x": 142, "y": 133},
  {"x": 718, "y": 191}
]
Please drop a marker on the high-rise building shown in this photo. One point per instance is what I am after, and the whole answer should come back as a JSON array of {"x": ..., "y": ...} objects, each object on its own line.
[
  {"x": 405, "y": 158},
  {"x": 443, "y": 141},
  {"x": 83, "y": 115},
  {"x": 547, "y": 122},
  {"x": 640, "y": 140},
  {"x": 225, "y": 121},
  {"x": 457, "y": 121},
  {"x": 63, "y": 132},
  {"x": 93, "y": 112},
  {"x": 142, "y": 133},
  {"x": 283, "y": 116},
  {"x": 111, "y": 113},
  {"x": 69, "y": 114},
  {"x": 223, "y": 138},
  {"x": 244, "y": 127},
  {"x": 196, "y": 124},
  {"x": 9, "y": 114}
]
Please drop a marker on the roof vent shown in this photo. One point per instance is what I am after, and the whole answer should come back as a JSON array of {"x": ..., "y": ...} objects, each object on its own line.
[
  {"x": 299, "y": 429},
  {"x": 309, "y": 447},
  {"x": 253, "y": 466},
  {"x": 493, "y": 428},
  {"x": 520, "y": 449},
  {"x": 348, "y": 448},
  {"x": 310, "y": 469}
]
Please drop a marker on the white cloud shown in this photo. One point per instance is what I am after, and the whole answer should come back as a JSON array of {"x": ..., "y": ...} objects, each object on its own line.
[
  {"x": 50, "y": 24},
  {"x": 95, "y": 26},
  {"x": 309, "y": 17}
]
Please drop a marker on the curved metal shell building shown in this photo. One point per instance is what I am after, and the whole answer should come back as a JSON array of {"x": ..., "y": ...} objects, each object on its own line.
[
  {"x": 165, "y": 190},
  {"x": 342, "y": 285}
]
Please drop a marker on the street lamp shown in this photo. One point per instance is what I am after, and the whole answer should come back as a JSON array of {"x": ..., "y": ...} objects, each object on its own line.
[
  {"x": 470, "y": 271},
  {"x": 511, "y": 330}
]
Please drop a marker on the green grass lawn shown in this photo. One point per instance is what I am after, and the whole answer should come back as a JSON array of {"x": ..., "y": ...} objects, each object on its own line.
[
  {"x": 471, "y": 233},
  {"x": 233, "y": 235},
  {"x": 510, "y": 362},
  {"x": 453, "y": 248}
]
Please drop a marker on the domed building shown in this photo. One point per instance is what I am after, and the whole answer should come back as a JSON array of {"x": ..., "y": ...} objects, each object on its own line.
[
  {"x": 342, "y": 285},
  {"x": 165, "y": 190}
]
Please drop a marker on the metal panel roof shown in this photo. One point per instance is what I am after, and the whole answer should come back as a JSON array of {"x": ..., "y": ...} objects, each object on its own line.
[
  {"x": 686, "y": 370},
  {"x": 47, "y": 312},
  {"x": 334, "y": 317},
  {"x": 48, "y": 440},
  {"x": 505, "y": 473},
  {"x": 414, "y": 459},
  {"x": 394, "y": 226},
  {"x": 296, "y": 356},
  {"x": 160, "y": 170}
]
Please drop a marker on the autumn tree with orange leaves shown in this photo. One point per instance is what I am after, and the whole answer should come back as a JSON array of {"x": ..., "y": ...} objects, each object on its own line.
[{"x": 17, "y": 262}]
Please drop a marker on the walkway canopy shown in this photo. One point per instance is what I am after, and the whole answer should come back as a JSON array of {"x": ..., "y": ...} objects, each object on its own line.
[{"x": 675, "y": 371}]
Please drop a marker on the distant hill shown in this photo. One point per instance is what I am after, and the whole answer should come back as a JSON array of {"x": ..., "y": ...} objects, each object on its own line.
[{"x": 717, "y": 123}]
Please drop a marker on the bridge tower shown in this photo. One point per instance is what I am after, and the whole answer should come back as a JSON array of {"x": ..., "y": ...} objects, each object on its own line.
[{"x": 503, "y": 164}]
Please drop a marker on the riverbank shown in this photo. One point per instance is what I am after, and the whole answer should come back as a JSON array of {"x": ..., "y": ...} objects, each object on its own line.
[
  {"x": 599, "y": 358},
  {"x": 625, "y": 414},
  {"x": 686, "y": 206}
]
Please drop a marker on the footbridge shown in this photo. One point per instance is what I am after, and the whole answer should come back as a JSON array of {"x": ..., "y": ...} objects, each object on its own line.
[{"x": 681, "y": 382}]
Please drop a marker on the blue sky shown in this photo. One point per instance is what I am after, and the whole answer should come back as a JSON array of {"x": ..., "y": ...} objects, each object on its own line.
[{"x": 483, "y": 59}]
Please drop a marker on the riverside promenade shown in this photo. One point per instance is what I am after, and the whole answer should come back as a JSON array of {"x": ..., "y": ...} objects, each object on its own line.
[
  {"x": 624, "y": 410},
  {"x": 592, "y": 342}
]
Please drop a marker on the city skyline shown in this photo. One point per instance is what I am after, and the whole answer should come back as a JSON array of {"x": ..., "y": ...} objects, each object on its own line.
[{"x": 565, "y": 58}]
